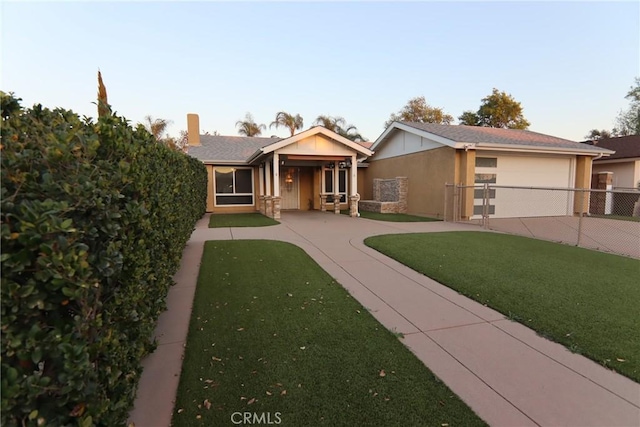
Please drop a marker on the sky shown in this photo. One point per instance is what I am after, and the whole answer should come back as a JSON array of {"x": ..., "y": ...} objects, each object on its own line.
[{"x": 569, "y": 64}]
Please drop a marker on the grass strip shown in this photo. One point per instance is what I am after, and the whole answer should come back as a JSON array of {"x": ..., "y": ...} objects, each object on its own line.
[
  {"x": 240, "y": 220},
  {"x": 272, "y": 333},
  {"x": 392, "y": 217},
  {"x": 586, "y": 300}
]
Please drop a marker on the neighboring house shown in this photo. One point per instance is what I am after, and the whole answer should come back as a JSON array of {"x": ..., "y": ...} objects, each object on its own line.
[
  {"x": 432, "y": 155},
  {"x": 314, "y": 169},
  {"x": 625, "y": 163}
]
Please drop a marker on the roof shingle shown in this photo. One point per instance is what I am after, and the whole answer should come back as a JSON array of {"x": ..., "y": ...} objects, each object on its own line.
[
  {"x": 228, "y": 148},
  {"x": 625, "y": 146},
  {"x": 478, "y": 135}
]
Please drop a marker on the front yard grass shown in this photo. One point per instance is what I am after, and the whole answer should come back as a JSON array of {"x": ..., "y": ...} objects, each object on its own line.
[
  {"x": 392, "y": 217},
  {"x": 240, "y": 220},
  {"x": 586, "y": 300},
  {"x": 271, "y": 332}
]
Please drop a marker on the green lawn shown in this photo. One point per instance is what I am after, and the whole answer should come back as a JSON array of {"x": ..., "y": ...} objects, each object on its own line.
[
  {"x": 240, "y": 220},
  {"x": 586, "y": 300},
  {"x": 271, "y": 332},
  {"x": 618, "y": 217},
  {"x": 392, "y": 217}
]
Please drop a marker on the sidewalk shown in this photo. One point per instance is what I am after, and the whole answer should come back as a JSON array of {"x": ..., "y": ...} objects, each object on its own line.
[{"x": 504, "y": 371}]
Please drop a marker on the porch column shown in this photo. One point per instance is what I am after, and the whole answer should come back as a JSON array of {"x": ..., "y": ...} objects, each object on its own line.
[
  {"x": 336, "y": 187},
  {"x": 354, "y": 197},
  {"x": 268, "y": 207},
  {"x": 276, "y": 186},
  {"x": 261, "y": 198}
]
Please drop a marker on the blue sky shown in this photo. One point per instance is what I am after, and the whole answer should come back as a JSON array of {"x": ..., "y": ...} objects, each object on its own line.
[{"x": 569, "y": 64}]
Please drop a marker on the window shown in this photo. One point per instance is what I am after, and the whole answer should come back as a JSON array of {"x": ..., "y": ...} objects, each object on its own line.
[
  {"x": 234, "y": 186},
  {"x": 342, "y": 184},
  {"x": 486, "y": 162},
  {"x": 482, "y": 178}
]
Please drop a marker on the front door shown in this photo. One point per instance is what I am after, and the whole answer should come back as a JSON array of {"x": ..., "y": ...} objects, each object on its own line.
[{"x": 289, "y": 188}]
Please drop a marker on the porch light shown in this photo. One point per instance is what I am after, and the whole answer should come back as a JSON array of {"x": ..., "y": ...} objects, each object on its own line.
[{"x": 288, "y": 181}]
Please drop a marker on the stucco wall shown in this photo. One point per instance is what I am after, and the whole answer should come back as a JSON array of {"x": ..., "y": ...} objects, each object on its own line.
[
  {"x": 625, "y": 175},
  {"x": 428, "y": 171}
]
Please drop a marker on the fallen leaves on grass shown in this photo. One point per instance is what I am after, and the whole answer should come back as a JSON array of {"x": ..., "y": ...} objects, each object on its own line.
[
  {"x": 207, "y": 404},
  {"x": 383, "y": 373}
]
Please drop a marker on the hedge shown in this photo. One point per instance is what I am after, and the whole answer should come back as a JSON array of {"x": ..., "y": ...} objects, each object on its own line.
[{"x": 95, "y": 216}]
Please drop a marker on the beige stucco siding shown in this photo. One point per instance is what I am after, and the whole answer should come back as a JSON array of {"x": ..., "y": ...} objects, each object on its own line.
[
  {"x": 428, "y": 171},
  {"x": 626, "y": 174}
]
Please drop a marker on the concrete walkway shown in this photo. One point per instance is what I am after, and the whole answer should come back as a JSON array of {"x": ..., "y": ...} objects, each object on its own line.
[{"x": 505, "y": 372}]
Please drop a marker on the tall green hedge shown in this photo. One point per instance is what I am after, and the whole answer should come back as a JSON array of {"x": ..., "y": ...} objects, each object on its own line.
[{"x": 94, "y": 220}]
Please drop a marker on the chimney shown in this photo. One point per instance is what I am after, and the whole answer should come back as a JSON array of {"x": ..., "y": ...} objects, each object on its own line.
[{"x": 193, "y": 129}]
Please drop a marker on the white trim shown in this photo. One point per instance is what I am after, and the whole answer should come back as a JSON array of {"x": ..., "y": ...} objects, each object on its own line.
[
  {"x": 533, "y": 149},
  {"x": 323, "y": 183},
  {"x": 271, "y": 148},
  {"x": 620, "y": 160}
]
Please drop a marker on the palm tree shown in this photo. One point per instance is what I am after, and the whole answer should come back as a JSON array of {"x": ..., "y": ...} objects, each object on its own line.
[
  {"x": 249, "y": 127},
  {"x": 156, "y": 127},
  {"x": 330, "y": 122},
  {"x": 287, "y": 120},
  {"x": 339, "y": 125}
]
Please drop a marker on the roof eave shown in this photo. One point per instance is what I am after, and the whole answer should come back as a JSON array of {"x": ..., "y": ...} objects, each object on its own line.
[{"x": 532, "y": 148}]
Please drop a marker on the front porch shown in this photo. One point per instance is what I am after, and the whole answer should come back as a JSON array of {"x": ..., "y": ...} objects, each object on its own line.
[
  {"x": 314, "y": 170},
  {"x": 326, "y": 185}
]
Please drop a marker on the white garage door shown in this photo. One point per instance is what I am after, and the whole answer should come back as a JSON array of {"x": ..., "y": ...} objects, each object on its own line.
[{"x": 524, "y": 171}]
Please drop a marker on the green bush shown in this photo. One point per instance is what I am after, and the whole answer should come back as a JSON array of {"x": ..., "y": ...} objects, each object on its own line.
[{"x": 94, "y": 220}]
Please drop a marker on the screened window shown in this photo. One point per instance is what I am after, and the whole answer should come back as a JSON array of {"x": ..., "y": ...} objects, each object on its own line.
[
  {"x": 342, "y": 184},
  {"x": 234, "y": 186}
]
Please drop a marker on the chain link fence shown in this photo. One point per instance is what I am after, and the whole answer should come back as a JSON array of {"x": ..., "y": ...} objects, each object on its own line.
[{"x": 605, "y": 220}]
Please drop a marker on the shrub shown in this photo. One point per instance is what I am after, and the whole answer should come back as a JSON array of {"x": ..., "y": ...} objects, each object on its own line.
[{"x": 94, "y": 220}]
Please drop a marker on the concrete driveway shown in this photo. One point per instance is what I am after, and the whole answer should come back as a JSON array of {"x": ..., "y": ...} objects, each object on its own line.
[{"x": 505, "y": 372}]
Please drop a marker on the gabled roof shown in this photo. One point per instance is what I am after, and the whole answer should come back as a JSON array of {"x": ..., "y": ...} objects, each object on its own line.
[
  {"x": 462, "y": 136},
  {"x": 625, "y": 147},
  {"x": 359, "y": 148},
  {"x": 228, "y": 149}
]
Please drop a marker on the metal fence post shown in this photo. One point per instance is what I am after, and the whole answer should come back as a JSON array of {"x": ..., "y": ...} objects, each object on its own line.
[
  {"x": 581, "y": 210},
  {"x": 446, "y": 200},
  {"x": 485, "y": 206},
  {"x": 456, "y": 196}
]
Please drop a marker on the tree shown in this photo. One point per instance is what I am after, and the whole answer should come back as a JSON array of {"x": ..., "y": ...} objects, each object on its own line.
[
  {"x": 498, "y": 110},
  {"x": 595, "y": 134},
  {"x": 628, "y": 122},
  {"x": 249, "y": 127},
  {"x": 469, "y": 118},
  {"x": 10, "y": 104},
  {"x": 339, "y": 125},
  {"x": 288, "y": 121},
  {"x": 417, "y": 110},
  {"x": 103, "y": 105},
  {"x": 156, "y": 127}
]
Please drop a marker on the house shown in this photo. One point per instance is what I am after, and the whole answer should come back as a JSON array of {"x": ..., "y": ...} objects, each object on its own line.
[
  {"x": 624, "y": 164},
  {"x": 318, "y": 169},
  {"x": 314, "y": 169},
  {"x": 432, "y": 155}
]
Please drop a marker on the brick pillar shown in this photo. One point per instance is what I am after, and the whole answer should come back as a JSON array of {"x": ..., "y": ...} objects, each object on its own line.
[
  {"x": 261, "y": 205},
  {"x": 403, "y": 191},
  {"x": 598, "y": 204},
  {"x": 353, "y": 205},
  {"x": 268, "y": 206},
  {"x": 336, "y": 205},
  {"x": 276, "y": 207},
  {"x": 376, "y": 189},
  {"x": 323, "y": 203}
]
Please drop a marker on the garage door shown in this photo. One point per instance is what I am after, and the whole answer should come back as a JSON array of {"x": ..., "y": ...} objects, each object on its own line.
[{"x": 524, "y": 171}]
